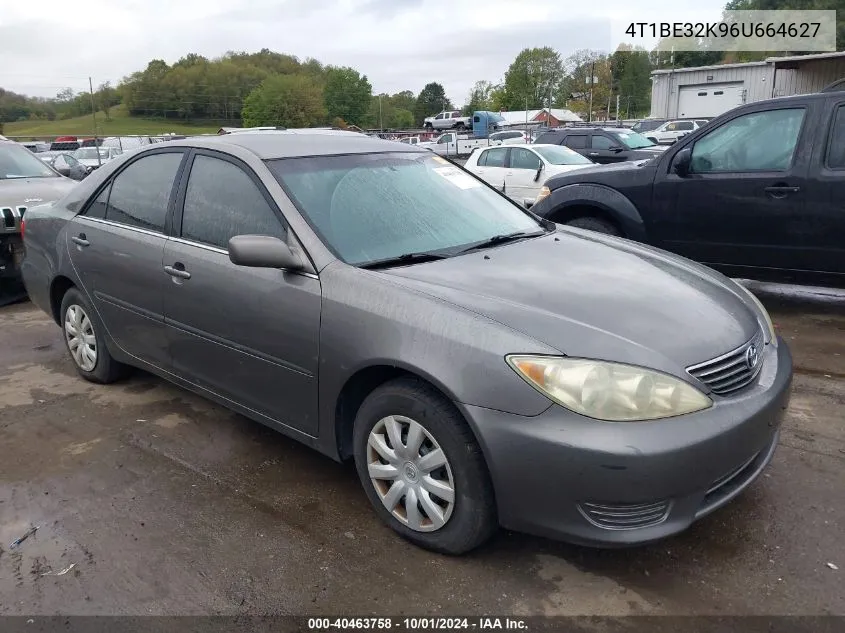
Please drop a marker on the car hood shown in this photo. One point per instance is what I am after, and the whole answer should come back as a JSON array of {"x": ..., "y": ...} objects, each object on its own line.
[
  {"x": 594, "y": 296},
  {"x": 27, "y": 192},
  {"x": 633, "y": 168}
]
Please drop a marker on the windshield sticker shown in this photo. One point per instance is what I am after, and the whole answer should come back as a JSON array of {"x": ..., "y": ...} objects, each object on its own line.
[{"x": 457, "y": 177}]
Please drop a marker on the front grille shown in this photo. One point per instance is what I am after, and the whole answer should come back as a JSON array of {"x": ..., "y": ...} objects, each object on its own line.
[
  {"x": 625, "y": 516},
  {"x": 732, "y": 371}
]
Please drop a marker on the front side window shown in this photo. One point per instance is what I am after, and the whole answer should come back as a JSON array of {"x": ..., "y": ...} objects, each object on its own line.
[
  {"x": 140, "y": 193},
  {"x": 760, "y": 141},
  {"x": 632, "y": 140},
  {"x": 370, "y": 207},
  {"x": 439, "y": 117},
  {"x": 670, "y": 127},
  {"x": 524, "y": 159},
  {"x": 836, "y": 144},
  {"x": 222, "y": 201},
  {"x": 601, "y": 142}
]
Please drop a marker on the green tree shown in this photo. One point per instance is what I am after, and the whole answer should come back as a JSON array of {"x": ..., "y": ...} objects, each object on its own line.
[
  {"x": 431, "y": 100},
  {"x": 586, "y": 71},
  {"x": 532, "y": 78},
  {"x": 347, "y": 94},
  {"x": 286, "y": 100},
  {"x": 480, "y": 97},
  {"x": 631, "y": 71}
]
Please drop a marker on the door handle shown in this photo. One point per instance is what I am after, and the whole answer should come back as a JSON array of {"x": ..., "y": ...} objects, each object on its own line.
[
  {"x": 594, "y": 153},
  {"x": 509, "y": 173},
  {"x": 177, "y": 270},
  {"x": 781, "y": 191},
  {"x": 80, "y": 240}
]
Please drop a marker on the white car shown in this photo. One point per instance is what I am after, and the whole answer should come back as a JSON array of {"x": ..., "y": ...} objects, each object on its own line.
[
  {"x": 510, "y": 137},
  {"x": 520, "y": 171},
  {"x": 671, "y": 131},
  {"x": 88, "y": 155}
]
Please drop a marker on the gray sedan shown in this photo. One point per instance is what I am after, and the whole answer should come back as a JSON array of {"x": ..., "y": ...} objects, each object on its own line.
[{"x": 376, "y": 302}]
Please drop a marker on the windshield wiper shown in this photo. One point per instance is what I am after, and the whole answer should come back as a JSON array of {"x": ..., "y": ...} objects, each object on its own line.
[
  {"x": 407, "y": 258},
  {"x": 502, "y": 239}
]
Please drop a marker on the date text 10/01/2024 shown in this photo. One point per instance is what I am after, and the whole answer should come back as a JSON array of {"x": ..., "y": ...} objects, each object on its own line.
[
  {"x": 417, "y": 624},
  {"x": 723, "y": 29}
]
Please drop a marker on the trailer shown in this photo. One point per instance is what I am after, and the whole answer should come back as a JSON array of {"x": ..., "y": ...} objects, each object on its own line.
[{"x": 454, "y": 144}]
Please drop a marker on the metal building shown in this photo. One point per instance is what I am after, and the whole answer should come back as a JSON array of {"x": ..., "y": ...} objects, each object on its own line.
[{"x": 708, "y": 91}]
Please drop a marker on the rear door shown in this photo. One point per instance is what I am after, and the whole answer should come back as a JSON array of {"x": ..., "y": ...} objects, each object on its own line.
[
  {"x": 580, "y": 143},
  {"x": 825, "y": 228},
  {"x": 744, "y": 202},
  {"x": 116, "y": 246},
  {"x": 492, "y": 166},
  {"x": 250, "y": 335}
]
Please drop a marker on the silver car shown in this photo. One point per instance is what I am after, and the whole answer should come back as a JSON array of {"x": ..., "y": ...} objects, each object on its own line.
[{"x": 378, "y": 303}]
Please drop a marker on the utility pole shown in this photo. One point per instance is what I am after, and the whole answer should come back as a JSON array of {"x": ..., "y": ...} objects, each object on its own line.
[
  {"x": 592, "y": 81},
  {"x": 617, "y": 107},
  {"x": 609, "y": 88},
  {"x": 380, "y": 119},
  {"x": 94, "y": 118}
]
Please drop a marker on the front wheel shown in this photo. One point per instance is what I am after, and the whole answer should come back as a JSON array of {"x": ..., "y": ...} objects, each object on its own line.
[
  {"x": 428, "y": 126},
  {"x": 422, "y": 469}
]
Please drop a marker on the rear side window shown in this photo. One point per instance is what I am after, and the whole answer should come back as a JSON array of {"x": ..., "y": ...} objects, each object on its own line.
[
  {"x": 836, "y": 144},
  {"x": 576, "y": 141},
  {"x": 141, "y": 192},
  {"x": 684, "y": 125},
  {"x": 222, "y": 201},
  {"x": 493, "y": 157}
]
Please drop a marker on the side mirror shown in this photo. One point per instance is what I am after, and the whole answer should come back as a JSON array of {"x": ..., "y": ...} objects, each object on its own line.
[
  {"x": 539, "y": 171},
  {"x": 681, "y": 162},
  {"x": 262, "y": 251}
]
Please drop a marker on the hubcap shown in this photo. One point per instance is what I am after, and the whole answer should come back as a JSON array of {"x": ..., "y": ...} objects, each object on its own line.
[
  {"x": 79, "y": 333},
  {"x": 410, "y": 473}
]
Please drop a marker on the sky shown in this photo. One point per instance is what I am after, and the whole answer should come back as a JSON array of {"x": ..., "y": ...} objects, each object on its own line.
[{"x": 399, "y": 44}]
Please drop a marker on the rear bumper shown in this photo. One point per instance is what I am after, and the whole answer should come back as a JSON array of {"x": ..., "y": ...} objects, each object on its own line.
[{"x": 568, "y": 477}]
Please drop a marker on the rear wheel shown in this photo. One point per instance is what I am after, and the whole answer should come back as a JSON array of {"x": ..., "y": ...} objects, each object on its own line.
[
  {"x": 83, "y": 335},
  {"x": 594, "y": 224},
  {"x": 422, "y": 469},
  {"x": 460, "y": 127}
]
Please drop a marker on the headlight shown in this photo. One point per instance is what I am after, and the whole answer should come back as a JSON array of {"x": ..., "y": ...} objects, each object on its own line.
[
  {"x": 762, "y": 316},
  {"x": 609, "y": 391},
  {"x": 545, "y": 192}
]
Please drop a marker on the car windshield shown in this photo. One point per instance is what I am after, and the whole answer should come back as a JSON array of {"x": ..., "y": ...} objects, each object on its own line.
[
  {"x": 633, "y": 140},
  {"x": 560, "y": 155},
  {"x": 90, "y": 152},
  {"x": 372, "y": 207},
  {"x": 18, "y": 162}
]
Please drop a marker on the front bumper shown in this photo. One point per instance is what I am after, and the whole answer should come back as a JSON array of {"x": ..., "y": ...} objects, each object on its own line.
[{"x": 568, "y": 477}]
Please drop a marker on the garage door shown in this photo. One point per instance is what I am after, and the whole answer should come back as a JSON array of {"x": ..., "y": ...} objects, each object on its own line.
[{"x": 708, "y": 100}]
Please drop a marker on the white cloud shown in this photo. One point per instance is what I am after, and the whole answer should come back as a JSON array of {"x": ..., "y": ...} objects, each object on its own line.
[{"x": 398, "y": 44}]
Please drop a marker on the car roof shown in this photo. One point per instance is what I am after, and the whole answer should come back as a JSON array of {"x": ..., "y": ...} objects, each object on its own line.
[{"x": 270, "y": 144}]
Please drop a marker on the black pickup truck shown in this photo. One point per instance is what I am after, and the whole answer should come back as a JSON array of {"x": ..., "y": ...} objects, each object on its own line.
[{"x": 758, "y": 192}]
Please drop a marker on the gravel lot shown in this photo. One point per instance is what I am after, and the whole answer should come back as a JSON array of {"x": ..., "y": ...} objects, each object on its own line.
[{"x": 168, "y": 504}]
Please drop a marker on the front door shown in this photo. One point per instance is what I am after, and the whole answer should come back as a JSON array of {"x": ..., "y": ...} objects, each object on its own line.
[
  {"x": 601, "y": 152},
  {"x": 520, "y": 177},
  {"x": 250, "y": 335},
  {"x": 116, "y": 246},
  {"x": 826, "y": 247},
  {"x": 744, "y": 201}
]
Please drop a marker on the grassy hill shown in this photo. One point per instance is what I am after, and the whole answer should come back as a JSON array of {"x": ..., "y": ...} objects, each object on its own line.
[{"x": 120, "y": 124}]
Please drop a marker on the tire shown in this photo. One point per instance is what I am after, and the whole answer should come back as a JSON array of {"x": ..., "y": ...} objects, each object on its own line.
[
  {"x": 471, "y": 517},
  {"x": 428, "y": 126},
  {"x": 460, "y": 127},
  {"x": 104, "y": 369},
  {"x": 594, "y": 224}
]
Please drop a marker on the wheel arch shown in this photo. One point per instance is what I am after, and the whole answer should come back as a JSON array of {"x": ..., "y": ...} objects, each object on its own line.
[
  {"x": 598, "y": 201},
  {"x": 58, "y": 287}
]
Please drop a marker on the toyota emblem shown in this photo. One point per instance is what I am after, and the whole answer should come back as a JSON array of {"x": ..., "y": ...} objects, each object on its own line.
[{"x": 751, "y": 357}]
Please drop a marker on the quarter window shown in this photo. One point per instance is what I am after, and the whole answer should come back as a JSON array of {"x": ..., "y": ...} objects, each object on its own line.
[
  {"x": 140, "y": 193},
  {"x": 222, "y": 201},
  {"x": 836, "y": 145},
  {"x": 760, "y": 141},
  {"x": 97, "y": 209}
]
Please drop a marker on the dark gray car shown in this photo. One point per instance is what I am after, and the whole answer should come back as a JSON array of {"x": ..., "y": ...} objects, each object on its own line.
[{"x": 376, "y": 302}]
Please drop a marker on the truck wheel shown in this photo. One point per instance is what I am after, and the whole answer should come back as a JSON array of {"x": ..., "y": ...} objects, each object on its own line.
[
  {"x": 460, "y": 127},
  {"x": 428, "y": 126},
  {"x": 594, "y": 224},
  {"x": 422, "y": 469}
]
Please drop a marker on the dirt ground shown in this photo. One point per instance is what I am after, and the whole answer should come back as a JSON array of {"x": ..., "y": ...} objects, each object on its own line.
[{"x": 167, "y": 504}]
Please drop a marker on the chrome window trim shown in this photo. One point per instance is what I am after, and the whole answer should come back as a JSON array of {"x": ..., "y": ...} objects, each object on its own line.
[{"x": 120, "y": 225}]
